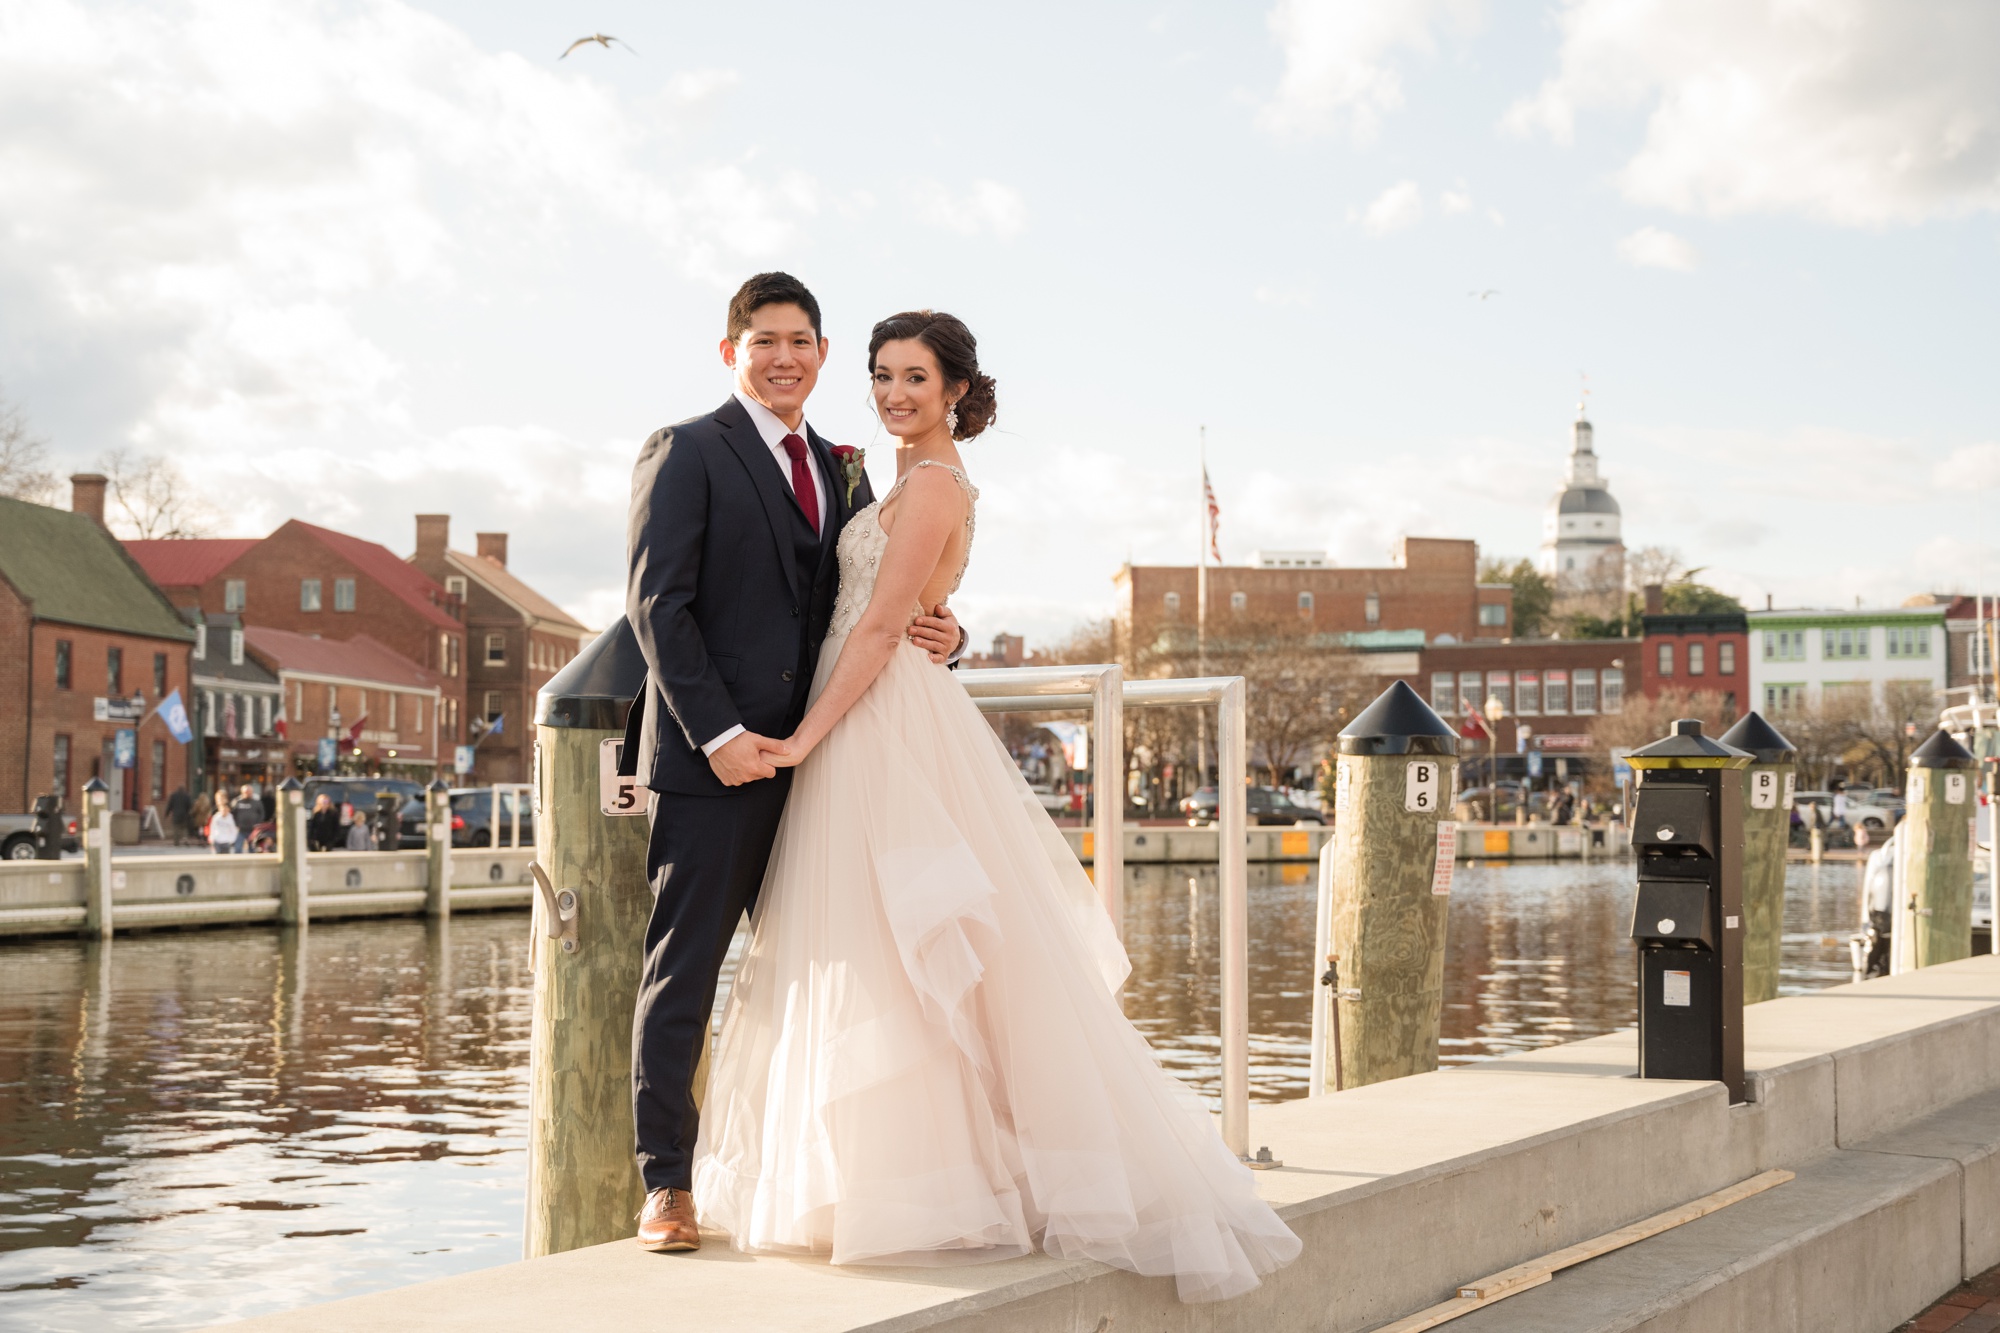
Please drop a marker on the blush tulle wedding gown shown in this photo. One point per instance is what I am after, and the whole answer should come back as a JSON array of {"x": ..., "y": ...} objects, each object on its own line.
[{"x": 923, "y": 1059}]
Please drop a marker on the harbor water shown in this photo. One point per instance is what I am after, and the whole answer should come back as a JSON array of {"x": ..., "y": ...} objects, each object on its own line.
[{"x": 199, "y": 1126}]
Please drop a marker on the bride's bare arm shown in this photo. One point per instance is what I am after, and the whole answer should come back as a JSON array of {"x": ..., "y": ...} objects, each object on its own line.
[{"x": 930, "y": 509}]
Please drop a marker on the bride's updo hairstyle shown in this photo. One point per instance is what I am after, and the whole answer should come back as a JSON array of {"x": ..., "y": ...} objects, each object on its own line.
[{"x": 957, "y": 353}]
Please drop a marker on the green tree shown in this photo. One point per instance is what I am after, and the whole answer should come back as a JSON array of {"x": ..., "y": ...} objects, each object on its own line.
[
  {"x": 1685, "y": 597},
  {"x": 1534, "y": 594}
]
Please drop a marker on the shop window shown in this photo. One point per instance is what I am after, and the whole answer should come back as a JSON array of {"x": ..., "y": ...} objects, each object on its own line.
[
  {"x": 455, "y": 585},
  {"x": 1613, "y": 695},
  {"x": 156, "y": 776},
  {"x": 1697, "y": 659},
  {"x": 64, "y": 649},
  {"x": 235, "y": 647},
  {"x": 1527, "y": 693},
  {"x": 1583, "y": 691},
  {"x": 1666, "y": 659},
  {"x": 1555, "y": 692},
  {"x": 1499, "y": 685},
  {"x": 1468, "y": 692},
  {"x": 201, "y": 641},
  {"x": 495, "y": 703},
  {"x": 1305, "y": 604},
  {"x": 1371, "y": 609},
  {"x": 308, "y": 594},
  {"x": 343, "y": 594},
  {"x": 160, "y": 674},
  {"x": 1725, "y": 658},
  {"x": 114, "y": 672},
  {"x": 60, "y": 778},
  {"x": 235, "y": 595},
  {"x": 1493, "y": 615},
  {"x": 1444, "y": 695},
  {"x": 496, "y": 650}
]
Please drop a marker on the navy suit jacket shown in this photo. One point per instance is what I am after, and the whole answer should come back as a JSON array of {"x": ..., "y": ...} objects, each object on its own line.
[{"x": 729, "y": 622}]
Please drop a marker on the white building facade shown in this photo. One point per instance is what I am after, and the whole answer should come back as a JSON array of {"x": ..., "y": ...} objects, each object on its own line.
[
  {"x": 1583, "y": 543},
  {"x": 1807, "y": 659}
]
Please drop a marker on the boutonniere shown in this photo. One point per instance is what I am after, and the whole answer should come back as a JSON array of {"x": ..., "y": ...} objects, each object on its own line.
[{"x": 850, "y": 459}]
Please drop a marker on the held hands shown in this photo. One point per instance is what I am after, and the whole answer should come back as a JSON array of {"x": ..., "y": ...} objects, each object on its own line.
[
  {"x": 746, "y": 758},
  {"x": 938, "y": 634}
]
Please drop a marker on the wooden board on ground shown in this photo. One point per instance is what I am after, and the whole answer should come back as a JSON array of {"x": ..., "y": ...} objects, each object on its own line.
[{"x": 1512, "y": 1281}]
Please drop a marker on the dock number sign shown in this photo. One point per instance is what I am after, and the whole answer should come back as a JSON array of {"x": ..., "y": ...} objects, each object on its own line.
[
  {"x": 1764, "y": 789},
  {"x": 1423, "y": 786},
  {"x": 616, "y": 795}
]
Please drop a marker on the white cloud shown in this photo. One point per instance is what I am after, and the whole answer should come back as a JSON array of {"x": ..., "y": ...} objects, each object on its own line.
[
  {"x": 1267, "y": 295},
  {"x": 1399, "y": 206},
  {"x": 1860, "y": 112},
  {"x": 985, "y": 207},
  {"x": 1455, "y": 201},
  {"x": 1339, "y": 66},
  {"x": 1649, "y": 247}
]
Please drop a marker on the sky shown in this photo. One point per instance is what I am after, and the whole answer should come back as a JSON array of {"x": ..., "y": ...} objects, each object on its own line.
[{"x": 348, "y": 262}]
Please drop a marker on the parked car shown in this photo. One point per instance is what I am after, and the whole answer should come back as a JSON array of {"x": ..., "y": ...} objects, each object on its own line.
[
  {"x": 1053, "y": 801},
  {"x": 472, "y": 817},
  {"x": 1864, "y": 809},
  {"x": 1262, "y": 805},
  {"x": 17, "y": 836}
]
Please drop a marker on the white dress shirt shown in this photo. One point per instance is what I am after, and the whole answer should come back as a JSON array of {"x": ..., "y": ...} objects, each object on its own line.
[{"x": 773, "y": 432}]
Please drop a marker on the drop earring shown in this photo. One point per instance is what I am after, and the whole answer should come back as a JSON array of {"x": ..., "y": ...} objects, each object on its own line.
[{"x": 951, "y": 419}]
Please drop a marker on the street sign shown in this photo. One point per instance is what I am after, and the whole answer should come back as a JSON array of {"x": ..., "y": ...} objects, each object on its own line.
[
  {"x": 618, "y": 795},
  {"x": 461, "y": 760},
  {"x": 125, "y": 747},
  {"x": 1534, "y": 763},
  {"x": 328, "y": 755},
  {"x": 118, "y": 710}
]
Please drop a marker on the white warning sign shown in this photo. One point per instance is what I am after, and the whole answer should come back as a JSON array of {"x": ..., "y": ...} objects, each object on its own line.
[
  {"x": 1447, "y": 856},
  {"x": 1677, "y": 989}
]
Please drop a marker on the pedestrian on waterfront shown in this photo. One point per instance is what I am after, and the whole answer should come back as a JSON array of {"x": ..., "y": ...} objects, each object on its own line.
[
  {"x": 988, "y": 1098},
  {"x": 178, "y": 807},
  {"x": 323, "y": 825},
  {"x": 198, "y": 816},
  {"x": 248, "y": 813},
  {"x": 1878, "y": 886},
  {"x": 359, "y": 838},
  {"x": 223, "y": 837}
]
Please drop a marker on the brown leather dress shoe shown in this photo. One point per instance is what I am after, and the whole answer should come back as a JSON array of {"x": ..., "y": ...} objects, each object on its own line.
[{"x": 667, "y": 1222}]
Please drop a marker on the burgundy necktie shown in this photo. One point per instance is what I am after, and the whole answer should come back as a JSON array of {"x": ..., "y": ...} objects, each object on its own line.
[{"x": 802, "y": 480}]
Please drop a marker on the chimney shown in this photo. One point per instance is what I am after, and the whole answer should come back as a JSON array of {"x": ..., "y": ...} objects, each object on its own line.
[
  {"x": 433, "y": 536},
  {"x": 86, "y": 496},
  {"x": 1767, "y": 602},
  {"x": 493, "y": 546},
  {"x": 1656, "y": 599}
]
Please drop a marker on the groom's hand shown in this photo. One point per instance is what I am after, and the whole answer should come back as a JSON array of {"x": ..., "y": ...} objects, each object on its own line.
[
  {"x": 742, "y": 759},
  {"x": 938, "y": 634}
]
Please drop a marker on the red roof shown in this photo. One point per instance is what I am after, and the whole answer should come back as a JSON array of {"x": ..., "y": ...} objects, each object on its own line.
[
  {"x": 358, "y": 658},
  {"x": 408, "y": 583},
  {"x": 187, "y": 562}
]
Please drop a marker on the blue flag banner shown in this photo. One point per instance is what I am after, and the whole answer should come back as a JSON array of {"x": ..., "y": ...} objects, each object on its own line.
[
  {"x": 499, "y": 725},
  {"x": 175, "y": 714}
]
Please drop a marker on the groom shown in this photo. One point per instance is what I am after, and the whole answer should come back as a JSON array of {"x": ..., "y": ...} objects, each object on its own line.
[{"x": 732, "y": 575}]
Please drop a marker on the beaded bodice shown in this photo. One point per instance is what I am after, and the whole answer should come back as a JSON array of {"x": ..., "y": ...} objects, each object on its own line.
[{"x": 863, "y": 541}]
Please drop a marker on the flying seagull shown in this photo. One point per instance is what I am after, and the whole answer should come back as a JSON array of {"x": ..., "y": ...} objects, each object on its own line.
[
  {"x": 1490, "y": 291},
  {"x": 602, "y": 39}
]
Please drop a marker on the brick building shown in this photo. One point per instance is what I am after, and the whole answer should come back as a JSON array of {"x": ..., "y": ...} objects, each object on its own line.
[
  {"x": 1555, "y": 688},
  {"x": 236, "y": 708},
  {"x": 518, "y": 639},
  {"x": 379, "y": 708},
  {"x": 1706, "y": 654},
  {"x": 309, "y": 580},
  {"x": 88, "y": 649},
  {"x": 1433, "y": 587}
]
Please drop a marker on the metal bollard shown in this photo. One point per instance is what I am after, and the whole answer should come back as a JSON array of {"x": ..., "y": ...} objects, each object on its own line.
[
  {"x": 1768, "y": 786},
  {"x": 437, "y": 849},
  {"x": 1385, "y": 899},
  {"x": 293, "y": 906},
  {"x": 97, "y": 859},
  {"x": 592, "y": 903},
  {"x": 1934, "y": 909}
]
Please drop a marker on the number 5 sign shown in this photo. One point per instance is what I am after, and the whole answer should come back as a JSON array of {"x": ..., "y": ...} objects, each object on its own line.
[
  {"x": 1764, "y": 789},
  {"x": 1423, "y": 785},
  {"x": 616, "y": 795}
]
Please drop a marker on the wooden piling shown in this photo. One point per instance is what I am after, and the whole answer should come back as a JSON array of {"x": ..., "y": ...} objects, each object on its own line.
[
  {"x": 437, "y": 849},
  {"x": 1768, "y": 786},
  {"x": 97, "y": 859},
  {"x": 592, "y": 903},
  {"x": 1391, "y": 875},
  {"x": 1935, "y": 919},
  {"x": 294, "y": 908}
]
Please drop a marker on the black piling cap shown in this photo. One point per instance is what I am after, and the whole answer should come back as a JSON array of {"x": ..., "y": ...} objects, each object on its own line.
[
  {"x": 1941, "y": 751},
  {"x": 1398, "y": 722},
  {"x": 1754, "y": 734},
  {"x": 291, "y": 784},
  {"x": 1687, "y": 742},
  {"x": 94, "y": 786},
  {"x": 438, "y": 787},
  {"x": 597, "y": 685}
]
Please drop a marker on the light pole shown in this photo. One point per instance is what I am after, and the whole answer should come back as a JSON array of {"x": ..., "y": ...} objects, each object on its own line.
[{"x": 1495, "y": 710}]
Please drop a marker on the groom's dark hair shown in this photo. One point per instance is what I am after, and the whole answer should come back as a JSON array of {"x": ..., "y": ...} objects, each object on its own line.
[{"x": 770, "y": 289}]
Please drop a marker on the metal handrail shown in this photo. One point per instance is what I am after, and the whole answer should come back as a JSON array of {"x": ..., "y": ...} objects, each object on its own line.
[{"x": 1103, "y": 691}]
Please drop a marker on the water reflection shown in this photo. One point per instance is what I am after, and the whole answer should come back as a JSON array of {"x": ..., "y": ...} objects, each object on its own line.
[{"x": 201, "y": 1126}]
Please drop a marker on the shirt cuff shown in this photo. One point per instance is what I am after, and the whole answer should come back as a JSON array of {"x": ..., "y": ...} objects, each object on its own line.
[
  {"x": 722, "y": 740},
  {"x": 958, "y": 652}
]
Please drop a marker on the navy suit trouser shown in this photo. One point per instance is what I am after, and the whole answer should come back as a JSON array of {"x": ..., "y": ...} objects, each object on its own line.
[{"x": 705, "y": 862}]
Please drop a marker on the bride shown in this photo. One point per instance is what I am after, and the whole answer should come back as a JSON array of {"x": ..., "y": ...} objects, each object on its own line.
[{"x": 923, "y": 1059}]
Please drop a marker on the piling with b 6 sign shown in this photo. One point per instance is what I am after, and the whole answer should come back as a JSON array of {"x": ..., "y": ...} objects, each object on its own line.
[{"x": 1384, "y": 887}]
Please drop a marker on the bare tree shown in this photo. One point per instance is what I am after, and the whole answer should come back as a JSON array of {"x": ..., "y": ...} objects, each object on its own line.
[
  {"x": 24, "y": 458},
  {"x": 1882, "y": 739},
  {"x": 1654, "y": 564},
  {"x": 152, "y": 498}
]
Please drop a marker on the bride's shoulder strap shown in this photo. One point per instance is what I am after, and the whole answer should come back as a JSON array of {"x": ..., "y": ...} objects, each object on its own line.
[{"x": 964, "y": 482}]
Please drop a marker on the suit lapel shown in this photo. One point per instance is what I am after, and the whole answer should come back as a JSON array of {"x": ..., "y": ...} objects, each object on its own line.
[
  {"x": 779, "y": 506},
  {"x": 838, "y": 510}
]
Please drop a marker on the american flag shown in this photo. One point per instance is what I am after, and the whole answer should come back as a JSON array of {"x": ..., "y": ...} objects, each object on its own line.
[
  {"x": 1474, "y": 726},
  {"x": 1214, "y": 517}
]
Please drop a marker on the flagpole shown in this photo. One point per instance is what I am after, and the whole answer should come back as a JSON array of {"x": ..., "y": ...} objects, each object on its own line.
[{"x": 1202, "y": 537}]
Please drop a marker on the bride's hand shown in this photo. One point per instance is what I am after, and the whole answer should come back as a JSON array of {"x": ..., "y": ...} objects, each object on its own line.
[{"x": 788, "y": 754}]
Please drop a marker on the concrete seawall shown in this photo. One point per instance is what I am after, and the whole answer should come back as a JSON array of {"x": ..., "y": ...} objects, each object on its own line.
[
  {"x": 1883, "y": 1096},
  {"x": 1476, "y": 842},
  {"x": 47, "y": 897}
]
